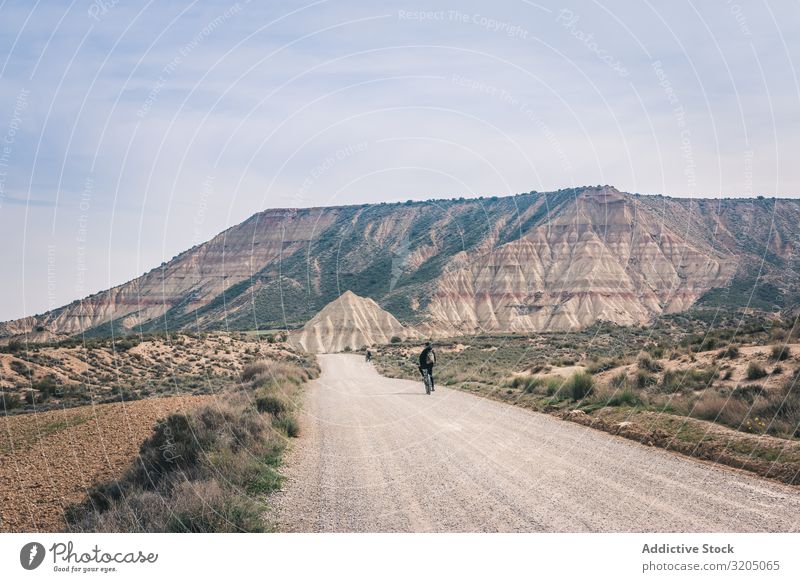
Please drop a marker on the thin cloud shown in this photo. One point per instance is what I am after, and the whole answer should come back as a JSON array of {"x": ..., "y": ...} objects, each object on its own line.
[{"x": 33, "y": 202}]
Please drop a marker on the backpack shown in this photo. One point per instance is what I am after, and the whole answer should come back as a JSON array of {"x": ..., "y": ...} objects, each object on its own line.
[{"x": 430, "y": 358}]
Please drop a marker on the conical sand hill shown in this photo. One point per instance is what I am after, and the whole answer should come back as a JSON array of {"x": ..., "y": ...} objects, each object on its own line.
[{"x": 348, "y": 321}]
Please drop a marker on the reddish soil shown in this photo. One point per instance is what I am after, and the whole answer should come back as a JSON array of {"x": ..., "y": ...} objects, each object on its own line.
[{"x": 49, "y": 459}]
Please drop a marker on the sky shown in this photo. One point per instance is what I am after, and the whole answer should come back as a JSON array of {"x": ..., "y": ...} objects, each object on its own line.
[{"x": 131, "y": 131}]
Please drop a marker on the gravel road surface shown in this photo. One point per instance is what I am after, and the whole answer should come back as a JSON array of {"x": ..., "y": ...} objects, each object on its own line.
[{"x": 378, "y": 455}]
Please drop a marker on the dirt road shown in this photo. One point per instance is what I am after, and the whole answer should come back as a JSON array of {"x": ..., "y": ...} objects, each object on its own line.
[{"x": 379, "y": 455}]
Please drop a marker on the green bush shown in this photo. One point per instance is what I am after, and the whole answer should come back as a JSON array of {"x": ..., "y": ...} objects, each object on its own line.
[
  {"x": 626, "y": 397},
  {"x": 206, "y": 507},
  {"x": 19, "y": 367},
  {"x": 270, "y": 404},
  {"x": 254, "y": 369},
  {"x": 643, "y": 379},
  {"x": 687, "y": 380},
  {"x": 554, "y": 385},
  {"x": 755, "y": 371},
  {"x": 709, "y": 343},
  {"x": 648, "y": 364},
  {"x": 580, "y": 385},
  {"x": 124, "y": 344},
  {"x": 601, "y": 365},
  {"x": 14, "y": 346},
  {"x": 731, "y": 352},
  {"x": 527, "y": 383},
  {"x": 9, "y": 401},
  {"x": 270, "y": 374},
  {"x": 619, "y": 381},
  {"x": 780, "y": 353},
  {"x": 748, "y": 392},
  {"x": 174, "y": 486},
  {"x": 288, "y": 425}
]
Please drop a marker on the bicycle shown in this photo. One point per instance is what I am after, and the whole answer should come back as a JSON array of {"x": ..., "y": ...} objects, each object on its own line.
[{"x": 426, "y": 379}]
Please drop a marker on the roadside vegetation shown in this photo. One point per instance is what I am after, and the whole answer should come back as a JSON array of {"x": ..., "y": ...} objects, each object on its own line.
[
  {"x": 699, "y": 378},
  {"x": 208, "y": 469},
  {"x": 41, "y": 377}
]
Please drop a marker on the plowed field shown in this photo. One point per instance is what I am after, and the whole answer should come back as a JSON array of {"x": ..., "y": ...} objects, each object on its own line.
[{"x": 49, "y": 459}]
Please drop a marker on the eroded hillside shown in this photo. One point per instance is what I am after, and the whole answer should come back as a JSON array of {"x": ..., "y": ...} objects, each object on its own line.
[{"x": 536, "y": 261}]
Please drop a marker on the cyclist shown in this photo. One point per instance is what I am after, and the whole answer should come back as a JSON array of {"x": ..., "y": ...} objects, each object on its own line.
[{"x": 427, "y": 360}]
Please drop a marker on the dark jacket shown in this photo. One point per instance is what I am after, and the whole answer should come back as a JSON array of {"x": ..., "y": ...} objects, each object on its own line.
[{"x": 423, "y": 358}]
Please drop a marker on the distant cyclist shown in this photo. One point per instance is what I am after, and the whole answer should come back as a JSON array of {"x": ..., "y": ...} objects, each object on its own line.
[
  {"x": 369, "y": 356},
  {"x": 427, "y": 360}
]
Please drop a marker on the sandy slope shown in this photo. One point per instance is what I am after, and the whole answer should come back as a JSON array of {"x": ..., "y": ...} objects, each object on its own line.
[
  {"x": 379, "y": 455},
  {"x": 350, "y": 322}
]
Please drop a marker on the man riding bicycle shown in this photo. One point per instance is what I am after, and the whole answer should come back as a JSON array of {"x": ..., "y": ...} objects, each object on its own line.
[{"x": 427, "y": 359}]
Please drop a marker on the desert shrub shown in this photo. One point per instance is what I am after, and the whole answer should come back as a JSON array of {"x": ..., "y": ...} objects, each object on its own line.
[
  {"x": 781, "y": 409},
  {"x": 288, "y": 425},
  {"x": 271, "y": 374},
  {"x": 753, "y": 409},
  {"x": 655, "y": 350},
  {"x": 731, "y": 352},
  {"x": 643, "y": 379},
  {"x": 527, "y": 383},
  {"x": 755, "y": 424},
  {"x": 626, "y": 397},
  {"x": 14, "y": 346},
  {"x": 601, "y": 365},
  {"x": 579, "y": 385},
  {"x": 206, "y": 507},
  {"x": 670, "y": 382},
  {"x": 648, "y": 364},
  {"x": 755, "y": 371},
  {"x": 47, "y": 386},
  {"x": 265, "y": 478},
  {"x": 780, "y": 353},
  {"x": 270, "y": 404},
  {"x": 19, "y": 367},
  {"x": 718, "y": 408},
  {"x": 554, "y": 385},
  {"x": 167, "y": 492},
  {"x": 126, "y": 343},
  {"x": 396, "y": 339},
  {"x": 181, "y": 441},
  {"x": 777, "y": 370},
  {"x": 254, "y": 369},
  {"x": 728, "y": 374},
  {"x": 10, "y": 401},
  {"x": 748, "y": 392},
  {"x": 708, "y": 343},
  {"x": 174, "y": 487},
  {"x": 687, "y": 380},
  {"x": 619, "y": 381}
]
